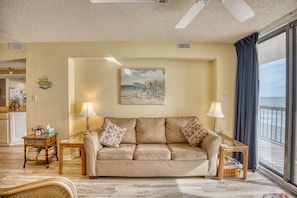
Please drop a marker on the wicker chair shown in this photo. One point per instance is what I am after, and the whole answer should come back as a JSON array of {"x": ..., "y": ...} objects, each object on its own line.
[{"x": 45, "y": 188}]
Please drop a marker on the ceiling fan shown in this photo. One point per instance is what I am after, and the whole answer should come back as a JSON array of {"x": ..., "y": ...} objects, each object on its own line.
[{"x": 238, "y": 8}]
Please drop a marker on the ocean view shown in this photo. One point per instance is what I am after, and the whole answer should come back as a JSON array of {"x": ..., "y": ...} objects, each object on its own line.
[{"x": 272, "y": 101}]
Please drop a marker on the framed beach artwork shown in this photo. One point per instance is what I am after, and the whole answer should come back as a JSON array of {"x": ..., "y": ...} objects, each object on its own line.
[{"x": 143, "y": 86}]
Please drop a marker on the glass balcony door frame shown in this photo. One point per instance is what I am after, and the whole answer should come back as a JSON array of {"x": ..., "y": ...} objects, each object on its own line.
[
  {"x": 270, "y": 113},
  {"x": 290, "y": 158},
  {"x": 290, "y": 174}
]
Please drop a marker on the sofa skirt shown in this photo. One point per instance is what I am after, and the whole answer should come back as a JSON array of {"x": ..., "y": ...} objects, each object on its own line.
[{"x": 141, "y": 168}]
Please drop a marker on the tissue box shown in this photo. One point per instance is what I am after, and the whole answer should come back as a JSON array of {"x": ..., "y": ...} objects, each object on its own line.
[{"x": 49, "y": 131}]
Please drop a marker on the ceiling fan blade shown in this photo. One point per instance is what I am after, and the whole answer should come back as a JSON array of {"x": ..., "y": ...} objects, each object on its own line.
[
  {"x": 239, "y": 9},
  {"x": 190, "y": 15}
]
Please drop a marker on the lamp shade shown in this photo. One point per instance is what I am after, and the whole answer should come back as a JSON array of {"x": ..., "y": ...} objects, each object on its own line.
[
  {"x": 87, "y": 109},
  {"x": 215, "y": 110}
]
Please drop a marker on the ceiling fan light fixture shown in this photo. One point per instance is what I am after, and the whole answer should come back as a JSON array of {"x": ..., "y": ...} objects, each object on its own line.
[
  {"x": 191, "y": 13},
  {"x": 113, "y": 59},
  {"x": 239, "y": 9},
  {"x": 128, "y": 1}
]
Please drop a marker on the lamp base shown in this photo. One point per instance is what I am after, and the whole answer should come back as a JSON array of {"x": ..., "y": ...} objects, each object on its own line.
[
  {"x": 215, "y": 127},
  {"x": 87, "y": 127}
]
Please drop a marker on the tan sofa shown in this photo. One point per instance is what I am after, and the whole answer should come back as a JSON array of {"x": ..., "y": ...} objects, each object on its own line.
[{"x": 152, "y": 147}]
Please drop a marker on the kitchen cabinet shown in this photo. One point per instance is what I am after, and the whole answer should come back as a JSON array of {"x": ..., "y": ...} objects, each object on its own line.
[
  {"x": 18, "y": 127},
  {"x": 12, "y": 128}
]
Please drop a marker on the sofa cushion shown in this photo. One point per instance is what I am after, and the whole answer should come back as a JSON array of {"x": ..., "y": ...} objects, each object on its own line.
[
  {"x": 123, "y": 152},
  {"x": 183, "y": 151},
  {"x": 173, "y": 128},
  {"x": 129, "y": 124},
  {"x": 152, "y": 152},
  {"x": 194, "y": 132},
  {"x": 150, "y": 130},
  {"x": 111, "y": 135}
]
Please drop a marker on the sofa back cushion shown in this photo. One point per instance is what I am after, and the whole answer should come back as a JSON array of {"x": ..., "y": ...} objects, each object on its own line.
[
  {"x": 174, "y": 126},
  {"x": 150, "y": 131},
  {"x": 129, "y": 124}
]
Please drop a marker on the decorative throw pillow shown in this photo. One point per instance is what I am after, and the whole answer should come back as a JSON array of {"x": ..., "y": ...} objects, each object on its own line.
[
  {"x": 111, "y": 135},
  {"x": 194, "y": 132}
]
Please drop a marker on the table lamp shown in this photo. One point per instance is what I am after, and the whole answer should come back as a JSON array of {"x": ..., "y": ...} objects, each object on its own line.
[
  {"x": 215, "y": 111},
  {"x": 87, "y": 110}
]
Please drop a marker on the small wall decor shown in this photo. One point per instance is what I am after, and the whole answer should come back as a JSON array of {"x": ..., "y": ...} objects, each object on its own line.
[
  {"x": 142, "y": 86},
  {"x": 44, "y": 83}
]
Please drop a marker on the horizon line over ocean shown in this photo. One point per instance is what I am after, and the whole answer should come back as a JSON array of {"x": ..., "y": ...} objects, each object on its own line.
[{"x": 272, "y": 101}]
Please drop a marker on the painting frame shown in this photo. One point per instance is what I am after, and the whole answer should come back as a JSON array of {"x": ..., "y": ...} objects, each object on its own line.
[{"x": 142, "y": 86}]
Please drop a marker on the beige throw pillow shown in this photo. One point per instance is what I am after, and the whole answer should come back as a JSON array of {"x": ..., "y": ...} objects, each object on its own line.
[
  {"x": 111, "y": 135},
  {"x": 194, "y": 132}
]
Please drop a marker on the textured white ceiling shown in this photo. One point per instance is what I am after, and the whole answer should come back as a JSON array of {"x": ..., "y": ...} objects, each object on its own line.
[{"x": 79, "y": 20}]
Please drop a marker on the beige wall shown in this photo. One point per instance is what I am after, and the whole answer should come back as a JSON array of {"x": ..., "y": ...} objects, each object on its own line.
[
  {"x": 187, "y": 88},
  {"x": 194, "y": 78}
]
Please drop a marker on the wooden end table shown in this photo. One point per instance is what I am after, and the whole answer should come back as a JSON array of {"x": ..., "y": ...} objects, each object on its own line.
[
  {"x": 73, "y": 143},
  {"x": 230, "y": 147},
  {"x": 39, "y": 143}
]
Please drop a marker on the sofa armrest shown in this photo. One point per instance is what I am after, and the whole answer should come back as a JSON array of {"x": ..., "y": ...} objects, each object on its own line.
[
  {"x": 211, "y": 144},
  {"x": 91, "y": 145}
]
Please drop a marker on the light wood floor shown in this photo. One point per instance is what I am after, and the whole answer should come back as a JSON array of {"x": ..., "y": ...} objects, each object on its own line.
[{"x": 12, "y": 173}]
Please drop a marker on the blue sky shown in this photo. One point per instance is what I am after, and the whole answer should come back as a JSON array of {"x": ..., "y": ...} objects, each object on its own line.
[{"x": 273, "y": 79}]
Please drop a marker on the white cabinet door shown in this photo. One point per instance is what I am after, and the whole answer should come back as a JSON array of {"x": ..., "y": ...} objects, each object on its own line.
[{"x": 18, "y": 127}]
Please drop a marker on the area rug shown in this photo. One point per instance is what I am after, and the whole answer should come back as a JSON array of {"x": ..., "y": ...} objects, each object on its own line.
[{"x": 275, "y": 195}]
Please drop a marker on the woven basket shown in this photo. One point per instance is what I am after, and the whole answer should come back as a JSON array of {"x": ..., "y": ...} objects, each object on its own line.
[
  {"x": 234, "y": 169},
  {"x": 232, "y": 172}
]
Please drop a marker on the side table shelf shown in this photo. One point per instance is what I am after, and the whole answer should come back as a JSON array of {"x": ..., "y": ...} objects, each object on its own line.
[
  {"x": 42, "y": 148},
  {"x": 230, "y": 146}
]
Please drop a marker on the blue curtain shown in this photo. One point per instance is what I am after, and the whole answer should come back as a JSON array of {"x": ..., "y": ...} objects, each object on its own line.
[{"x": 247, "y": 90}]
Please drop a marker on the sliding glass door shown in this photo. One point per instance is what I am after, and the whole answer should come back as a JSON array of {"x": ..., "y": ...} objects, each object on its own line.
[
  {"x": 277, "y": 127},
  {"x": 272, "y": 103}
]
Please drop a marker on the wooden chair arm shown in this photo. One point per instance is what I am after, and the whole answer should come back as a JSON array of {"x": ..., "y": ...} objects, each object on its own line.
[{"x": 52, "y": 187}]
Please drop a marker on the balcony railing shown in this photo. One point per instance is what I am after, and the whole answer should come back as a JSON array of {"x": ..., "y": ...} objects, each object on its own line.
[{"x": 272, "y": 124}]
